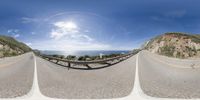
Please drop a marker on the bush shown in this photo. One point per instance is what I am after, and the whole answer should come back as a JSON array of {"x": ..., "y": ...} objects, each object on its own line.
[
  {"x": 71, "y": 57},
  {"x": 14, "y": 44},
  {"x": 81, "y": 58},
  {"x": 167, "y": 50}
]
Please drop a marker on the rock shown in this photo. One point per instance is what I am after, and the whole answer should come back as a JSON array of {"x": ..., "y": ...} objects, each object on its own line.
[
  {"x": 178, "y": 45},
  {"x": 11, "y": 47}
]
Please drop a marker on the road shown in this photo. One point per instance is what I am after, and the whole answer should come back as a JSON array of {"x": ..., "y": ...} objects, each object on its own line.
[
  {"x": 168, "y": 77},
  {"x": 111, "y": 82},
  {"x": 16, "y": 75},
  {"x": 159, "y": 76}
]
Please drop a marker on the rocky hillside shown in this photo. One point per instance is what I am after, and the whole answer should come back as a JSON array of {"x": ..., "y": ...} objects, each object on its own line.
[
  {"x": 11, "y": 47},
  {"x": 179, "y": 45}
]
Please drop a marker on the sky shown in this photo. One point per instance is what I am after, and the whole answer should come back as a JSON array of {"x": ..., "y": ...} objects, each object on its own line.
[{"x": 69, "y": 25}]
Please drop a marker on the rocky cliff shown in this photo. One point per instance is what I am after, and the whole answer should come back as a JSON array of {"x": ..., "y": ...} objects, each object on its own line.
[
  {"x": 174, "y": 44},
  {"x": 11, "y": 47}
]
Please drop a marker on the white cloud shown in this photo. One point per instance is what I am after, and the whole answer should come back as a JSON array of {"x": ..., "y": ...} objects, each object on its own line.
[
  {"x": 87, "y": 37},
  {"x": 16, "y": 35},
  {"x": 68, "y": 30},
  {"x": 64, "y": 29},
  {"x": 10, "y": 30},
  {"x": 66, "y": 25},
  {"x": 67, "y": 36},
  {"x": 69, "y": 45},
  {"x": 28, "y": 20},
  {"x": 29, "y": 44},
  {"x": 13, "y": 31}
]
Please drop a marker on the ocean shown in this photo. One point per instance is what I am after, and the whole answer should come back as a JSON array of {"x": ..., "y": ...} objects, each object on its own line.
[{"x": 85, "y": 52}]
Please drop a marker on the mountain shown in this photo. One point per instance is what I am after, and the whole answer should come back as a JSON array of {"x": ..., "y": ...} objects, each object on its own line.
[
  {"x": 11, "y": 47},
  {"x": 174, "y": 44}
]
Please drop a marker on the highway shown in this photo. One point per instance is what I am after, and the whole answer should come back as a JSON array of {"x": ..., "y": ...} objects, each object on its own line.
[
  {"x": 111, "y": 82},
  {"x": 16, "y": 75},
  {"x": 158, "y": 77},
  {"x": 169, "y": 77}
]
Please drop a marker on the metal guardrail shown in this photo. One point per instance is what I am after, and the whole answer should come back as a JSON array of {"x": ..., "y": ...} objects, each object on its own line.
[{"x": 87, "y": 63}]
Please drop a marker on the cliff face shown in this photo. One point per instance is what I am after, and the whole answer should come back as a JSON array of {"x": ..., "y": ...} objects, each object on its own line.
[
  {"x": 11, "y": 47},
  {"x": 179, "y": 45}
]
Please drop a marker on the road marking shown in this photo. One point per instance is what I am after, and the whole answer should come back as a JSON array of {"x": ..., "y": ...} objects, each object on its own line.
[
  {"x": 137, "y": 91},
  {"x": 136, "y": 94},
  {"x": 34, "y": 93}
]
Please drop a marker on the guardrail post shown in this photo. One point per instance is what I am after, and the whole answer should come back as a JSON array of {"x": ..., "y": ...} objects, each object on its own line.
[
  {"x": 69, "y": 65},
  {"x": 88, "y": 66},
  {"x": 57, "y": 61}
]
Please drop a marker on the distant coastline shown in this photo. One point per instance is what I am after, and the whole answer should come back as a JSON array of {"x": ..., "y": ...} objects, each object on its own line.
[{"x": 84, "y": 52}]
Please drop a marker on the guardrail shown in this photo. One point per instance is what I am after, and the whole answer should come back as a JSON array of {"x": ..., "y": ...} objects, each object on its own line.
[{"x": 107, "y": 62}]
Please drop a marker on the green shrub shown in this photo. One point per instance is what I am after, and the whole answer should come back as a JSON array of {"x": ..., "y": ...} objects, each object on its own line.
[
  {"x": 14, "y": 44},
  {"x": 167, "y": 50},
  {"x": 70, "y": 57}
]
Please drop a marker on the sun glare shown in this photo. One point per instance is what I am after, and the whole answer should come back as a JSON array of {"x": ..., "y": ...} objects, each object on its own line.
[{"x": 67, "y": 25}]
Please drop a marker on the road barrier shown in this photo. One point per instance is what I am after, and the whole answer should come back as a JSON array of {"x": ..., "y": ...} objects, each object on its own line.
[{"x": 106, "y": 62}]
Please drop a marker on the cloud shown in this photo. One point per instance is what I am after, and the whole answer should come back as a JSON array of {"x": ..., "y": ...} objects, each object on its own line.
[
  {"x": 29, "y": 44},
  {"x": 14, "y": 33},
  {"x": 28, "y": 20},
  {"x": 69, "y": 45},
  {"x": 68, "y": 30},
  {"x": 64, "y": 29},
  {"x": 66, "y": 36}
]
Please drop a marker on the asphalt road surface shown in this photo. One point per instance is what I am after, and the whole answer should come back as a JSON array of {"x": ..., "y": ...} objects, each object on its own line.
[
  {"x": 111, "y": 82},
  {"x": 159, "y": 77},
  {"x": 16, "y": 75},
  {"x": 168, "y": 77}
]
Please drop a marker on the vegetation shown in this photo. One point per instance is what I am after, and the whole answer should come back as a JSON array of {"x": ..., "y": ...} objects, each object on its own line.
[
  {"x": 12, "y": 47},
  {"x": 14, "y": 44},
  {"x": 195, "y": 37},
  {"x": 71, "y": 57},
  {"x": 167, "y": 50},
  {"x": 85, "y": 57},
  {"x": 175, "y": 44},
  {"x": 159, "y": 38}
]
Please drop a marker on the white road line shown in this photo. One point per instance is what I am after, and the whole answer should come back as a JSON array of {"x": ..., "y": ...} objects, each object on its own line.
[
  {"x": 137, "y": 91},
  {"x": 36, "y": 94},
  {"x": 136, "y": 94}
]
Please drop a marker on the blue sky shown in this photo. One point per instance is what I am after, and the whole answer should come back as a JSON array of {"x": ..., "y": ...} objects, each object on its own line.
[{"x": 91, "y": 24}]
